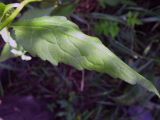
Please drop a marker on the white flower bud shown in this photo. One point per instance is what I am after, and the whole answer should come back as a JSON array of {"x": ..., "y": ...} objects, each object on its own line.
[
  {"x": 12, "y": 43},
  {"x": 17, "y": 52},
  {"x": 7, "y": 38},
  {"x": 4, "y": 34},
  {"x": 26, "y": 57}
]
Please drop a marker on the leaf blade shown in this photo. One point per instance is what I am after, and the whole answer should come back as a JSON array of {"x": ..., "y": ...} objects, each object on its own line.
[{"x": 56, "y": 39}]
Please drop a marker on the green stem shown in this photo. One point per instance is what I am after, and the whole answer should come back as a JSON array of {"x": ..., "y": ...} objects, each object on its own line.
[{"x": 15, "y": 13}]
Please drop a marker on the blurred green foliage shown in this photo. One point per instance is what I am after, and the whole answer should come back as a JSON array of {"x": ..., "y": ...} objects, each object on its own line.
[
  {"x": 107, "y": 28},
  {"x": 135, "y": 29},
  {"x": 2, "y": 8},
  {"x": 132, "y": 19},
  {"x": 105, "y": 3}
]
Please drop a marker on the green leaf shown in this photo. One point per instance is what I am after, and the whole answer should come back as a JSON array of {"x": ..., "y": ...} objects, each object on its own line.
[
  {"x": 56, "y": 39},
  {"x": 6, "y": 53},
  {"x": 2, "y": 8},
  {"x": 133, "y": 19},
  {"x": 6, "y": 10},
  {"x": 103, "y": 3},
  {"x": 64, "y": 10},
  {"x": 107, "y": 28},
  {"x": 36, "y": 12}
]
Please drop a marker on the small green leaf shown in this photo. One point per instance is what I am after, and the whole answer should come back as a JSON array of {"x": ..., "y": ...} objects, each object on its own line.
[
  {"x": 56, "y": 39},
  {"x": 132, "y": 19},
  {"x": 6, "y": 53},
  {"x": 107, "y": 28}
]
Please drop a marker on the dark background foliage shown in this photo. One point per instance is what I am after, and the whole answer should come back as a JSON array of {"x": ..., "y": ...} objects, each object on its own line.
[{"x": 129, "y": 28}]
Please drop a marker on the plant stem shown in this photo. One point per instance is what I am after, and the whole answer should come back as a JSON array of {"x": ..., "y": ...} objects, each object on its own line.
[{"x": 15, "y": 13}]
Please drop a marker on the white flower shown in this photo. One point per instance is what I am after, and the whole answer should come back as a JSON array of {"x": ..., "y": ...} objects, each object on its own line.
[
  {"x": 17, "y": 52},
  {"x": 7, "y": 38},
  {"x": 26, "y": 57},
  {"x": 4, "y": 34},
  {"x": 22, "y": 54},
  {"x": 15, "y": 5},
  {"x": 12, "y": 43}
]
